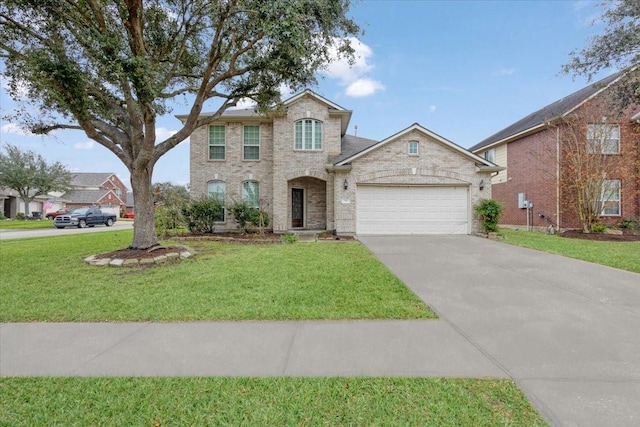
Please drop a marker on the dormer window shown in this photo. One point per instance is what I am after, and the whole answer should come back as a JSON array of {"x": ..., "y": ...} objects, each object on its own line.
[{"x": 308, "y": 135}]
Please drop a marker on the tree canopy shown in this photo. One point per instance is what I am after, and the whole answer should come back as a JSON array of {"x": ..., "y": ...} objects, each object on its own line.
[
  {"x": 30, "y": 175},
  {"x": 618, "y": 47},
  {"x": 110, "y": 68}
]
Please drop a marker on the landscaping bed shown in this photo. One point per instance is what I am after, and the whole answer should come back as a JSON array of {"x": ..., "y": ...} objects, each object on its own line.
[{"x": 622, "y": 235}]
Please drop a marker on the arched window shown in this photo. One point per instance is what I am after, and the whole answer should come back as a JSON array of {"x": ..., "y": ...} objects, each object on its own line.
[
  {"x": 251, "y": 193},
  {"x": 308, "y": 135}
]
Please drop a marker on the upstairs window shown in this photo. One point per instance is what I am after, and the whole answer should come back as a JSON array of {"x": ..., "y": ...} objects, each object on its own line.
[
  {"x": 251, "y": 193},
  {"x": 308, "y": 135},
  {"x": 603, "y": 139},
  {"x": 251, "y": 143},
  {"x": 413, "y": 148},
  {"x": 610, "y": 197},
  {"x": 216, "y": 142},
  {"x": 490, "y": 155}
]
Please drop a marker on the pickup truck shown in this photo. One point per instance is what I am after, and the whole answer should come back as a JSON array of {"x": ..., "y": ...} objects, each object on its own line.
[{"x": 84, "y": 217}]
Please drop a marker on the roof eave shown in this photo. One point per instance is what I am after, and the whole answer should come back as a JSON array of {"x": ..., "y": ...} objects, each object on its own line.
[{"x": 512, "y": 138}]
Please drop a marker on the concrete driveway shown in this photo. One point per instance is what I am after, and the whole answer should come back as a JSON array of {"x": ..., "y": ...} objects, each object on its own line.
[{"x": 567, "y": 331}]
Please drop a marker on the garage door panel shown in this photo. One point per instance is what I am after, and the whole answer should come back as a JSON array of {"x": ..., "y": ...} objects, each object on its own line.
[{"x": 412, "y": 210}]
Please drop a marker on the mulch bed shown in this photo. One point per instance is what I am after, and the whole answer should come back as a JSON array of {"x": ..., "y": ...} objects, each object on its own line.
[
  {"x": 137, "y": 253},
  {"x": 626, "y": 236}
]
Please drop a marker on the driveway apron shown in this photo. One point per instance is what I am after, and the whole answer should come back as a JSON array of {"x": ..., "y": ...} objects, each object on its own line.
[{"x": 567, "y": 331}]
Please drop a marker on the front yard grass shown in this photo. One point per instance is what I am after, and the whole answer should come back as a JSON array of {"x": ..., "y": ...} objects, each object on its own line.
[
  {"x": 263, "y": 402},
  {"x": 25, "y": 224},
  {"x": 622, "y": 255},
  {"x": 44, "y": 279}
]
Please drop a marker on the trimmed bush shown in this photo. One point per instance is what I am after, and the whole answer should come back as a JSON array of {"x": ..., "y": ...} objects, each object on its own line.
[
  {"x": 201, "y": 215},
  {"x": 489, "y": 211}
]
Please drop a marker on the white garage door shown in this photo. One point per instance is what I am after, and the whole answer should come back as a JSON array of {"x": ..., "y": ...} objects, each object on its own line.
[{"x": 412, "y": 210}]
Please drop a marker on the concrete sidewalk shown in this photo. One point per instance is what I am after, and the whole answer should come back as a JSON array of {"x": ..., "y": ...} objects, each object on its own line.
[{"x": 422, "y": 348}]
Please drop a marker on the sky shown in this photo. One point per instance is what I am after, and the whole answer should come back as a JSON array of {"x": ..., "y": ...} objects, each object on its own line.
[{"x": 462, "y": 69}]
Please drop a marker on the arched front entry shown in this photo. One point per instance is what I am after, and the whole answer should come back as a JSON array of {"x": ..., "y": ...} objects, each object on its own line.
[{"x": 307, "y": 203}]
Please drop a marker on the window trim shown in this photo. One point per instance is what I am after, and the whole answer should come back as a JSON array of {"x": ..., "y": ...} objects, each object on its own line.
[
  {"x": 417, "y": 145},
  {"x": 617, "y": 200},
  {"x": 245, "y": 145},
  {"x": 317, "y": 144},
  {"x": 603, "y": 144},
  {"x": 223, "y": 145}
]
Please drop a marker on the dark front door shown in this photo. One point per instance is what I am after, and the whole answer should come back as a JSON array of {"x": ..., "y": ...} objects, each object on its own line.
[{"x": 297, "y": 207}]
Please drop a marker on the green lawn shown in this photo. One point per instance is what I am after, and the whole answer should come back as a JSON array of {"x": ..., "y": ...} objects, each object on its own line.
[
  {"x": 263, "y": 402},
  {"x": 622, "y": 255},
  {"x": 44, "y": 279},
  {"x": 25, "y": 224}
]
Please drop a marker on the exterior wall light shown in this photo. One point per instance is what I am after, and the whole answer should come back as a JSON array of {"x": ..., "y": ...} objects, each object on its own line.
[
  {"x": 481, "y": 184},
  {"x": 345, "y": 184}
]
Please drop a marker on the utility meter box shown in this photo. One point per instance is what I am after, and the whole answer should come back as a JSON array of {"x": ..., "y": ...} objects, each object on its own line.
[{"x": 522, "y": 201}]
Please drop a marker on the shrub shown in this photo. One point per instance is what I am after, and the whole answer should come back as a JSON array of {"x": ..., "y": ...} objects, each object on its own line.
[
  {"x": 489, "y": 211},
  {"x": 201, "y": 215},
  {"x": 246, "y": 216},
  {"x": 289, "y": 238},
  {"x": 168, "y": 218},
  {"x": 2, "y": 217},
  {"x": 20, "y": 216},
  {"x": 598, "y": 228},
  {"x": 629, "y": 224}
]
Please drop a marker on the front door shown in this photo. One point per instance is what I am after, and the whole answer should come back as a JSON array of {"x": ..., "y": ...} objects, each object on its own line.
[{"x": 297, "y": 207}]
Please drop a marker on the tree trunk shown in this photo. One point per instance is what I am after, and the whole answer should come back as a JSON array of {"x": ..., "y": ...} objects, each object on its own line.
[
  {"x": 144, "y": 230},
  {"x": 26, "y": 202}
]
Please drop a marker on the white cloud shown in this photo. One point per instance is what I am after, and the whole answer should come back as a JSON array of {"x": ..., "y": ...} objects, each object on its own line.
[
  {"x": 363, "y": 87},
  {"x": 433, "y": 108},
  {"x": 354, "y": 76},
  {"x": 245, "y": 103},
  {"x": 85, "y": 145},
  {"x": 164, "y": 133},
  {"x": 504, "y": 72},
  {"x": 14, "y": 129}
]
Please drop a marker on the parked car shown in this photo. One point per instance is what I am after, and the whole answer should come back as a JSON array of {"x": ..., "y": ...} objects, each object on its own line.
[
  {"x": 84, "y": 217},
  {"x": 128, "y": 215},
  {"x": 53, "y": 214}
]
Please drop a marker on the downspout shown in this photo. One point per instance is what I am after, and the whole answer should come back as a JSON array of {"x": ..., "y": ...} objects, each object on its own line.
[{"x": 558, "y": 178}]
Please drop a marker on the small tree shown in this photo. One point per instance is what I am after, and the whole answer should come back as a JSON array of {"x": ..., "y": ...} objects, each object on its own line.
[
  {"x": 592, "y": 161},
  {"x": 29, "y": 174},
  {"x": 489, "y": 211}
]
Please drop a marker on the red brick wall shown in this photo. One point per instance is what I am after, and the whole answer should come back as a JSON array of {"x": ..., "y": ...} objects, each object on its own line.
[{"x": 531, "y": 169}]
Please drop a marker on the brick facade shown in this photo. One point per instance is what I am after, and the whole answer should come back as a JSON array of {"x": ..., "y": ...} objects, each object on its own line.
[{"x": 327, "y": 204}]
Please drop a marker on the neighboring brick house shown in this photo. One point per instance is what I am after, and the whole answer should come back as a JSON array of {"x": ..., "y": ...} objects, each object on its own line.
[
  {"x": 533, "y": 150},
  {"x": 94, "y": 188},
  {"x": 299, "y": 165}
]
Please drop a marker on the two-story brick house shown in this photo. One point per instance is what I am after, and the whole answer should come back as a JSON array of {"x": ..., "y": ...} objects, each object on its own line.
[
  {"x": 102, "y": 189},
  {"x": 300, "y": 165},
  {"x": 533, "y": 151}
]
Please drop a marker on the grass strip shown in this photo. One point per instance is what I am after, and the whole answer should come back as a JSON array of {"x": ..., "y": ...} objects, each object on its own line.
[
  {"x": 44, "y": 279},
  {"x": 621, "y": 255},
  {"x": 336, "y": 401}
]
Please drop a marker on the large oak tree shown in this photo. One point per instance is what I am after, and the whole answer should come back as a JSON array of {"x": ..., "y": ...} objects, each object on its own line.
[
  {"x": 617, "y": 47},
  {"x": 111, "y": 67}
]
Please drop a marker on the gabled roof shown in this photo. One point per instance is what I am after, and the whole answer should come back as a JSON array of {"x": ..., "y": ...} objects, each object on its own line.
[
  {"x": 90, "y": 179},
  {"x": 87, "y": 196},
  {"x": 369, "y": 145},
  {"x": 352, "y": 145},
  {"x": 536, "y": 120}
]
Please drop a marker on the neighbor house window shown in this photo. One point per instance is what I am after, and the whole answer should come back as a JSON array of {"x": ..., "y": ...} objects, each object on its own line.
[
  {"x": 603, "y": 139},
  {"x": 218, "y": 190},
  {"x": 251, "y": 143},
  {"x": 490, "y": 155},
  {"x": 413, "y": 148},
  {"x": 611, "y": 197},
  {"x": 251, "y": 193},
  {"x": 216, "y": 142},
  {"x": 308, "y": 135}
]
